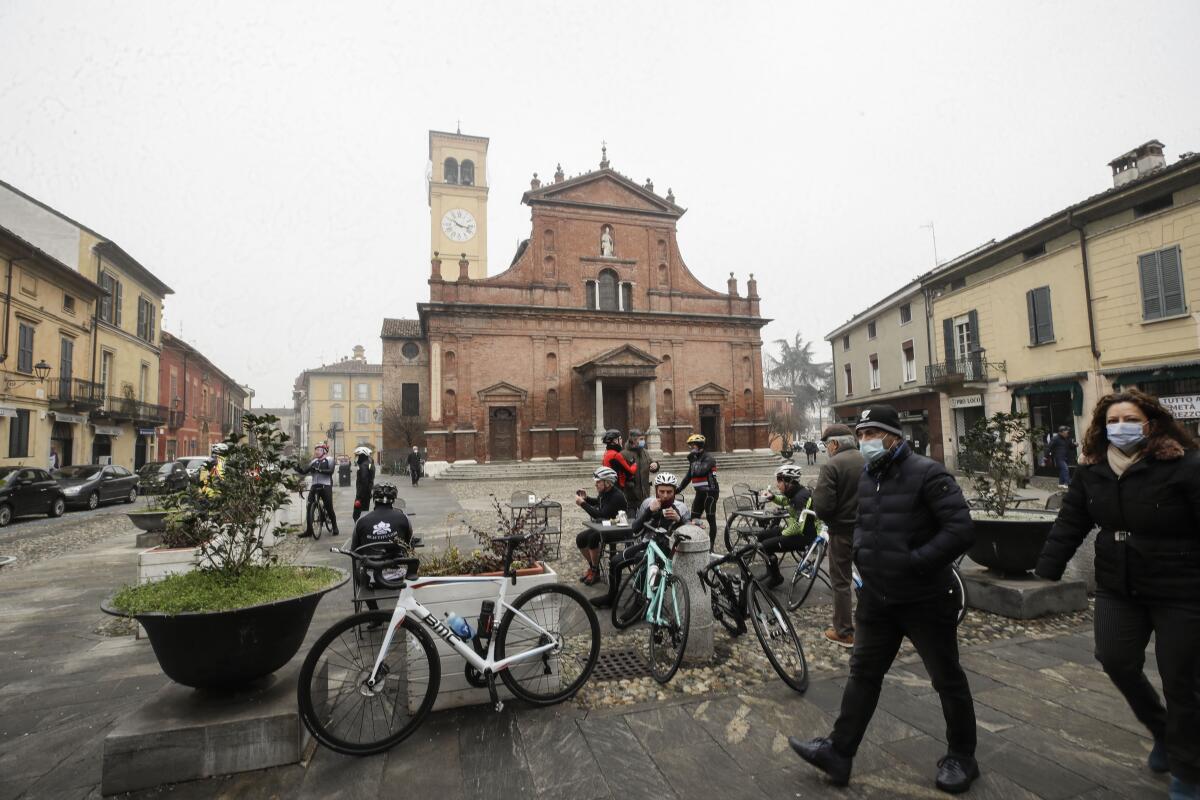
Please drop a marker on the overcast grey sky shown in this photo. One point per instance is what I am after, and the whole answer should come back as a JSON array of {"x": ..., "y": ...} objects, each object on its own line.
[{"x": 267, "y": 159}]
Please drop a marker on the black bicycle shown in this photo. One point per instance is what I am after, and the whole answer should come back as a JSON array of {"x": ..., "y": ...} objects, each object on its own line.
[
  {"x": 320, "y": 517},
  {"x": 736, "y": 594}
]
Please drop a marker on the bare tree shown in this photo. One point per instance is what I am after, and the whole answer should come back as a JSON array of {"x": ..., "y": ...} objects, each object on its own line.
[
  {"x": 399, "y": 429},
  {"x": 795, "y": 370},
  {"x": 784, "y": 424}
]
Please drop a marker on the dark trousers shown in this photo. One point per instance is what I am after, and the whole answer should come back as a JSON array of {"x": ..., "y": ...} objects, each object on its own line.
[
  {"x": 1064, "y": 471},
  {"x": 932, "y": 628},
  {"x": 705, "y": 502},
  {"x": 1122, "y": 631},
  {"x": 319, "y": 494},
  {"x": 415, "y": 474}
]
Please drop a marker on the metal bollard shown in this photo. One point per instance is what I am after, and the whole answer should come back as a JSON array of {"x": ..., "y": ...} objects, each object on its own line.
[{"x": 690, "y": 557}]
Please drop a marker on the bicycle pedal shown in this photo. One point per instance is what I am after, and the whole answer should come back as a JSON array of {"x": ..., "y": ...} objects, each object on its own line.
[{"x": 499, "y": 706}]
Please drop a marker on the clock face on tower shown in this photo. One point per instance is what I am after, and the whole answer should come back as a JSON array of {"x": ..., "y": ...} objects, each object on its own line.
[{"x": 458, "y": 224}]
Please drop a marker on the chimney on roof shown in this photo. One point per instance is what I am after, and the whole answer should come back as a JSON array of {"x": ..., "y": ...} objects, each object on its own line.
[
  {"x": 1138, "y": 162},
  {"x": 359, "y": 353}
]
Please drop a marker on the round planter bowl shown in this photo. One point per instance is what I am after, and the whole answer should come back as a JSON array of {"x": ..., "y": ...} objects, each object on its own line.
[
  {"x": 1010, "y": 546},
  {"x": 149, "y": 520},
  {"x": 229, "y": 649}
]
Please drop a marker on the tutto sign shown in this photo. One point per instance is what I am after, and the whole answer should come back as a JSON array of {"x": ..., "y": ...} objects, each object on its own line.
[
  {"x": 74, "y": 419},
  {"x": 7, "y": 411},
  {"x": 1183, "y": 406},
  {"x": 970, "y": 401},
  {"x": 107, "y": 430}
]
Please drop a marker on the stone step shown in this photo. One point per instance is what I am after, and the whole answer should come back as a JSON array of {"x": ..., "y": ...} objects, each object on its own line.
[{"x": 558, "y": 469}]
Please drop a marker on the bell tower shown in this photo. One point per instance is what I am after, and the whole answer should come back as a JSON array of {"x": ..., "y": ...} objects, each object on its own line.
[{"x": 458, "y": 193}]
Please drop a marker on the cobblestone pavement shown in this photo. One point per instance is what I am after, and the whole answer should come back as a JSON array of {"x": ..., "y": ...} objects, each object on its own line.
[{"x": 34, "y": 539}]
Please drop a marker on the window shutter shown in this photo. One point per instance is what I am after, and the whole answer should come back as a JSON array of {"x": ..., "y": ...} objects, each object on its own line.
[
  {"x": 1172, "y": 281},
  {"x": 1151, "y": 290},
  {"x": 1045, "y": 321},
  {"x": 1030, "y": 306},
  {"x": 973, "y": 339},
  {"x": 948, "y": 340},
  {"x": 141, "y": 326},
  {"x": 117, "y": 309}
]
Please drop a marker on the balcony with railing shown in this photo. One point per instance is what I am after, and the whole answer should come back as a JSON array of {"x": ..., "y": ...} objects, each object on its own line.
[
  {"x": 125, "y": 408},
  {"x": 971, "y": 369},
  {"x": 175, "y": 419},
  {"x": 73, "y": 393}
]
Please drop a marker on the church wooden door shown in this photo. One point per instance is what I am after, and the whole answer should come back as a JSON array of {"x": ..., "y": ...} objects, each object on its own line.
[
  {"x": 616, "y": 408},
  {"x": 502, "y": 434}
]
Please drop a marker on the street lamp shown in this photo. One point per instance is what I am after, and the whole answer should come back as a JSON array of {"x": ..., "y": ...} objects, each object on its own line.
[{"x": 40, "y": 369}]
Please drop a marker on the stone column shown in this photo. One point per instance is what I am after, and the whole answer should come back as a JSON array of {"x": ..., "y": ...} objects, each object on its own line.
[
  {"x": 691, "y": 557},
  {"x": 598, "y": 433},
  {"x": 435, "y": 381},
  {"x": 653, "y": 435}
]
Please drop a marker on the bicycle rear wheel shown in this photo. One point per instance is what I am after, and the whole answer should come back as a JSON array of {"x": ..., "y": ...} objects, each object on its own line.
[
  {"x": 805, "y": 575},
  {"x": 338, "y": 707},
  {"x": 630, "y": 606},
  {"x": 545, "y": 614},
  {"x": 318, "y": 520},
  {"x": 778, "y": 637},
  {"x": 723, "y": 599},
  {"x": 669, "y": 631},
  {"x": 960, "y": 590}
]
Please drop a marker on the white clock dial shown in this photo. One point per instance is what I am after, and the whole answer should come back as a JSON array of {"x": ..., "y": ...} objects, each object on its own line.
[{"x": 458, "y": 224}]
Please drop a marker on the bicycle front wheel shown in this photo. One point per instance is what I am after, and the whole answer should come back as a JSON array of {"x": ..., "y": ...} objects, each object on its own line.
[
  {"x": 960, "y": 594},
  {"x": 549, "y": 614},
  {"x": 630, "y": 606},
  {"x": 805, "y": 575},
  {"x": 345, "y": 713},
  {"x": 318, "y": 521},
  {"x": 669, "y": 629},
  {"x": 778, "y": 638}
]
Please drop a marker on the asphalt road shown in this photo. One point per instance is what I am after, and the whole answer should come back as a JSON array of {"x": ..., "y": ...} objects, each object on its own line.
[{"x": 36, "y": 538}]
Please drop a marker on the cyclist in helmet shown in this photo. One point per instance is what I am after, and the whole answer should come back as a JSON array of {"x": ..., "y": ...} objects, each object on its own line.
[
  {"x": 607, "y": 503},
  {"x": 791, "y": 535},
  {"x": 702, "y": 475},
  {"x": 321, "y": 468},
  {"x": 663, "y": 510},
  {"x": 210, "y": 473},
  {"x": 615, "y": 461},
  {"x": 364, "y": 479},
  {"x": 381, "y": 526}
]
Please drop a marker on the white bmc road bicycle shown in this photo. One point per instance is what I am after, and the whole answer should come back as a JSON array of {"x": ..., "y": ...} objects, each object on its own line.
[{"x": 371, "y": 679}]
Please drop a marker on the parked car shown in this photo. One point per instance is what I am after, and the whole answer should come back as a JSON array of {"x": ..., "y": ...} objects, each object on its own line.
[
  {"x": 92, "y": 484},
  {"x": 26, "y": 490},
  {"x": 193, "y": 465},
  {"x": 162, "y": 477}
]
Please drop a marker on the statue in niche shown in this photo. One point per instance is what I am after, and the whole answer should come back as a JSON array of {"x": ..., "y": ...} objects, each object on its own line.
[{"x": 606, "y": 241}]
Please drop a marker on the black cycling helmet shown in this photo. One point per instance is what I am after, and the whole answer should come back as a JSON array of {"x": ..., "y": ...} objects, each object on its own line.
[
  {"x": 611, "y": 435},
  {"x": 384, "y": 493}
]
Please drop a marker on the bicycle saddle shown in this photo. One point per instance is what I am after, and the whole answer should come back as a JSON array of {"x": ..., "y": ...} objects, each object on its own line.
[{"x": 515, "y": 538}]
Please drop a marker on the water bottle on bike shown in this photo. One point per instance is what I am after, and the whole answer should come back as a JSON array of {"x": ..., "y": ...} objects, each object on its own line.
[{"x": 461, "y": 628}]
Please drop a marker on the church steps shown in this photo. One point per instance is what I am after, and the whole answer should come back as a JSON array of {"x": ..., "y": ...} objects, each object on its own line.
[{"x": 516, "y": 470}]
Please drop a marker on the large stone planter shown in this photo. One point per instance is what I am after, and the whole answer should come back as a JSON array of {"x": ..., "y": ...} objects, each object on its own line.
[
  {"x": 465, "y": 599},
  {"x": 149, "y": 520},
  {"x": 1010, "y": 545},
  {"x": 159, "y": 562},
  {"x": 230, "y": 649}
]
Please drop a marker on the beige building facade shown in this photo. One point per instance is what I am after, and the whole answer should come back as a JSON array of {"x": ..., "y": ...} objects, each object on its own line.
[{"x": 340, "y": 404}]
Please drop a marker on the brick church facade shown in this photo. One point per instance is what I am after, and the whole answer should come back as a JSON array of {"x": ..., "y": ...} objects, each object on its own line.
[{"x": 597, "y": 323}]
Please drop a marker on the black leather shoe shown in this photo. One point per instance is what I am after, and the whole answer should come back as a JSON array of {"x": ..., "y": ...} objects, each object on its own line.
[
  {"x": 820, "y": 753},
  {"x": 305, "y": 535},
  {"x": 956, "y": 773},
  {"x": 601, "y": 601}
]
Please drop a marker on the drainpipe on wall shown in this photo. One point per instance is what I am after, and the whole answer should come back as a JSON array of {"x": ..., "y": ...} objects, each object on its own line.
[
  {"x": 7, "y": 307},
  {"x": 1087, "y": 285}
]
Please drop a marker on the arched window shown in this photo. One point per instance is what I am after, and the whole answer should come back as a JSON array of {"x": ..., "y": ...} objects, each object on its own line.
[
  {"x": 451, "y": 403},
  {"x": 669, "y": 403},
  {"x": 748, "y": 403},
  {"x": 450, "y": 171},
  {"x": 662, "y": 250},
  {"x": 746, "y": 366},
  {"x": 548, "y": 238},
  {"x": 666, "y": 367},
  {"x": 552, "y": 405},
  {"x": 551, "y": 365},
  {"x": 608, "y": 290},
  {"x": 662, "y": 275},
  {"x": 449, "y": 362},
  {"x": 548, "y": 266},
  {"x": 466, "y": 173},
  {"x": 626, "y": 296}
]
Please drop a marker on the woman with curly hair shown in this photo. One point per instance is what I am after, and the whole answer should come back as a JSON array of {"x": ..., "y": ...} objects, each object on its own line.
[{"x": 1139, "y": 481}]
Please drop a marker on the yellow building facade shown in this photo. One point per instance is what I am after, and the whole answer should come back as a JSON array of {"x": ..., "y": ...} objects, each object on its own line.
[
  {"x": 458, "y": 196},
  {"x": 341, "y": 404}
]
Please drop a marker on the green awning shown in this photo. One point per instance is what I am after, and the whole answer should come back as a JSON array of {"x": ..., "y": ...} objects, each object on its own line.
[
  {"x": 1160, "y": 374},
  {"x": 1075, "y": 390}
]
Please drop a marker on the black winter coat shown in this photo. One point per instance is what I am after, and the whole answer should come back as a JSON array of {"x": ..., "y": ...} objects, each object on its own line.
[
  {"x": 702, "y": 473},
  {"x": 364, "y": 481},
  {"x": 913, "y": 522},
  {"x": 1060, "y": 446},
  {"x": 606, "y": 505},
  {"x": 1148, "y": 546}
]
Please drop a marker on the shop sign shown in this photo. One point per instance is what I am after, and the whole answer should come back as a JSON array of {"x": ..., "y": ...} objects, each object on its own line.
[
  {"x": 74, "y": 419},
  {"x": 107, "y": 430},
  {"x": 969, "y": 401},
  {"x": 1183, "y": 406},
  {"x": 145, "y": 431},
  {"x": 7, "y": 411}
]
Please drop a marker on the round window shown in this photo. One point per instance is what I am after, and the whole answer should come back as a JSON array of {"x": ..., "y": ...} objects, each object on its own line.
[{"x": 410, "y": 350}]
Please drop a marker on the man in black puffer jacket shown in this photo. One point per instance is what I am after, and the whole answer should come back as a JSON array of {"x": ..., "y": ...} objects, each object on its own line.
[{"x": 913, "y": 522}]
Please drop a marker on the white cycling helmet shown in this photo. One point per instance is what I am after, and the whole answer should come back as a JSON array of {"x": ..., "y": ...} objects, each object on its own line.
[
  {"x": 605, "y": 474},
  {"x": 666, "y": 479},
  {"x": 789, "y": 472},
  {"x": 219, "y": 449},
  {"x": 362, "y": 450}
]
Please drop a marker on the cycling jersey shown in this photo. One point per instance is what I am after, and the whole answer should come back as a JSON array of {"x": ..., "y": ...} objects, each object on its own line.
[
  {"x": 321, "y": 470},
  {"x": 383, "y": 524},
  {"x": 795, "y": 503},
  {"x": 656, "y": 519},
  {"x": 702, "y": 472},
  {"x": 606, "y": 506},
  {"x": 616, "y": 462}
]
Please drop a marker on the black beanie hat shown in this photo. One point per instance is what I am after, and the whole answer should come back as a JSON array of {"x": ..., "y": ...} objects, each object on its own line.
[{"x": 882, "y": 417}]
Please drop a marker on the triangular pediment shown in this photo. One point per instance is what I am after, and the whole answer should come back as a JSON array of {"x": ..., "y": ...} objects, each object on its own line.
[
  {"x": 602, "y": 189},
  {"x": 502, "y": 391},
  {"x": 710, "y": 390},
  {"x": 624, "y": 356}
]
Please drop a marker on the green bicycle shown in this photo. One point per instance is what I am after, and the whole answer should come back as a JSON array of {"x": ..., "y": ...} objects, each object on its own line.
[{"x": 655, "y": 595}]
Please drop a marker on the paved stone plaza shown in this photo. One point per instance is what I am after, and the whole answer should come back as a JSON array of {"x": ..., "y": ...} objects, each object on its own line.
[{"x": 1051, "y": 724}]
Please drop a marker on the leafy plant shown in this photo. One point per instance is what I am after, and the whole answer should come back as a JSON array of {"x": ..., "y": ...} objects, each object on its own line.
[
  {"x": 228, "y": 515},
  {"x": 995, "y": 449},
  {"x": 200, "y": 591},
  {"x": 489, "y": 557}
]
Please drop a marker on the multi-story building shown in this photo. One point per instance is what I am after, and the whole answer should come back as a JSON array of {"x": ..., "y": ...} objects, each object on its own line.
[
  {"x": 880, "y": 356},
  {"x": 123, "y": 352},
  {"x": 287, "y": 423},
  {"x": 1096, "y": 296},
  {"x": 204, "y": 404},
  {"x": 341, "y": 404}
]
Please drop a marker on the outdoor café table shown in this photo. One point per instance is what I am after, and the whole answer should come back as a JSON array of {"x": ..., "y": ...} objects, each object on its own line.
[
  {"x": 736, "y": 533},
  {"x": 609, "y": 547}
]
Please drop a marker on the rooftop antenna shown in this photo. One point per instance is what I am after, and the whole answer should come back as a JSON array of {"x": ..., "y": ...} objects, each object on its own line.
[
  {"x": 458, "y": 127},
  {"x": 933, "y": 233}
]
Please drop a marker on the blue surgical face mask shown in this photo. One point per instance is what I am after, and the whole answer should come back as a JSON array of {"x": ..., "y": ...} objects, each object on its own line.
[
  {"x": 872, "y": 449},
  {"x": 1125, "y": 435}
]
